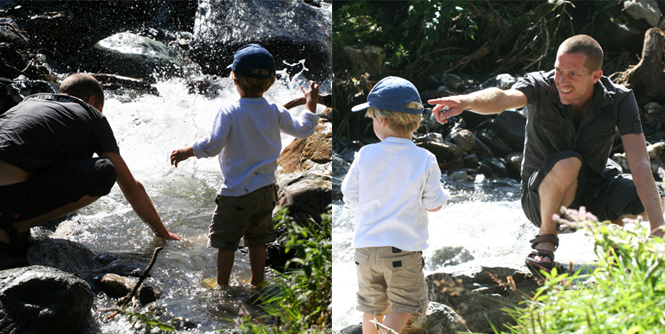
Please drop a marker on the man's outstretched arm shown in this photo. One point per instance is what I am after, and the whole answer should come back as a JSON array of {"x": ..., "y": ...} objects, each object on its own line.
[
  {"x": 640, "y": 167},
  {"x": 486, "y": 101},
  {"x": 137, "y": 196}
]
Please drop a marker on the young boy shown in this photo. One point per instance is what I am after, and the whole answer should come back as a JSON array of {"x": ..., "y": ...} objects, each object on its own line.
[
  {"x": 392, "y": 185},
  {"x": 246, "y": 135}
]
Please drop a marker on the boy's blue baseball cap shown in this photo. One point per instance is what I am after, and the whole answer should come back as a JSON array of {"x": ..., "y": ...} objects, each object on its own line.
[
  {"x": 392, "y": 93},
  {"x": 252, "y": 56}
]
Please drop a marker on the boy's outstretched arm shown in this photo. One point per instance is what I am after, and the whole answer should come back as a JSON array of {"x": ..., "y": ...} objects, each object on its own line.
[
  {"x": 311, "y": 96},
  {"x": 181, "y": 154}
]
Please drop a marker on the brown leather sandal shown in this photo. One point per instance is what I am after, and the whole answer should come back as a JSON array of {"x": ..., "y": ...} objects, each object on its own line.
[{"x": 535, "y": 266}]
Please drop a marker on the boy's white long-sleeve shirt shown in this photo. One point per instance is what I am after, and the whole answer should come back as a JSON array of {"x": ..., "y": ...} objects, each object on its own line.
[
  {"x": 392, "y": 184},
  {"x": 246, "y": 136}
]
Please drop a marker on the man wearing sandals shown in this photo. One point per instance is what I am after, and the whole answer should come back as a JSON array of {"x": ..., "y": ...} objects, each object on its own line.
[
  {"x": 572, "y": 112},
  {"x": 46, "y": 164}
]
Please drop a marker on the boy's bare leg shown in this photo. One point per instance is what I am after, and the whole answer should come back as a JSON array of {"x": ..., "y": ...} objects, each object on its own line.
[
  {"x": 257, "y": 262},
  {"x": 224, "y": 266},
  {"x": 396, "y": 320},
  {"x": 368, "y": 327},
  {"x": 25, "y": 225}
]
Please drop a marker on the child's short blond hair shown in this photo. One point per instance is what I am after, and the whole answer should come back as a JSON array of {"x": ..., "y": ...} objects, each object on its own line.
[
  {"x": 400, "y": 122},
  {"x": 253, "y": 87}
]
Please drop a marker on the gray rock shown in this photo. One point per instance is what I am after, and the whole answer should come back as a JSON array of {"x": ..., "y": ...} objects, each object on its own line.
[
  {"x": 450, "y": 256},
  {"x": 514, "y": 164},
  {"x": 479, "y": 297},
  {"x": 368, "y": 59},
  {"x": 643, "y": 9},
  {"x": 654, "y": 114},
  {"x": 510, "y": 127},
  {"x": 295, "y": 31},
  {"x": 41, "y": 299},
  {"x": 453, "y": 82},
  {"x": 465, "y": 140},
  {"x": 135, "y": 56},
  {"x": 353, "y": 329},
  {"x": 339, "y": 167},
  {"x": 448, "y": 155},
  {"x": 62, "y": 254},
  {"x": 502, "y": 81},
  {"x": 304, "y": 194},
  {"x": 440, "y": 319}
]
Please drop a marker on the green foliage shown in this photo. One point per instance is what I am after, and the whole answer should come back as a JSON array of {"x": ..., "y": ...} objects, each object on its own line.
[
  {"x": 149, "y": 321},
  {"x": 300, "y": 297},
  {"x": 624, "y": 294}
]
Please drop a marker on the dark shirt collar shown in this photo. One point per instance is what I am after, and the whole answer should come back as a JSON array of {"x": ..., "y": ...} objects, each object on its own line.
[{"x": 601, "y": 95}]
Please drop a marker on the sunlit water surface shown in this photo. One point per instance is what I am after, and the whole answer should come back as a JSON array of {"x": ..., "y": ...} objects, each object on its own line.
[
  {"x": 147, "y": 129},
  {"x": 482, "y": 216}
]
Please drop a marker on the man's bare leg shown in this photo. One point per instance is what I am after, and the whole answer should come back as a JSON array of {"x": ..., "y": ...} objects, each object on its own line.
[
  {"x": 556, "y": 190},
  {"x": 25, "y": 225}
]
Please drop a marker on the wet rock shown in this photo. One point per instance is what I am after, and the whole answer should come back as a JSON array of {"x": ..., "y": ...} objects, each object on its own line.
[
  {"x": 510, "y": 126},
  {"x": 432, "y": 124},
  {"x": 514, "y": 165},
  {"x": 643, "y": 9},
  {"x": 294, "y": 32},
  {"x": 465, "y": 140},
  {"x": 493, "y": 142},
  {"x": 502, "y": 81},
  {"x": 448, "y": 155},
  {"x": 480, "y": 295},
  {"x": 41, "y": 299},
  {"x": 440, "y": 319},
  {"x": 353, "y": 329},
  {"x": 135, "y": 56},
  {"x": 454, "y": 82},
  {"x": 459, "y": 175},
  {"x": 62, "y": 254},
  {"x": 497, "y": 166},
  {"x": 116, "y": 286},
  {"x": 654, "y": 114},
  {"x": 305, "y": 195},
  {"x": 450, "y": 256},
  {"x": 368, "y": 59},
  {"x": 312, "y": 154},
  {"x": 656, "y": 155},
  {"x": 339, "y": 169}
]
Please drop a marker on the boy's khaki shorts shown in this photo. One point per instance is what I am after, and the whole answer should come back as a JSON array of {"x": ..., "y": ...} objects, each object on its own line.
[
  {"x": 390, "y": 280},
  {"x": 248, "y": 216}
]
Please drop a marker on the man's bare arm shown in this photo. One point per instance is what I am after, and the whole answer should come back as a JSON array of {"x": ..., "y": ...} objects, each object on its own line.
[
  {"x": 640, "y": 167},
  {"x": 138, "y": 198},
  {"x": 486, "y": 101}
]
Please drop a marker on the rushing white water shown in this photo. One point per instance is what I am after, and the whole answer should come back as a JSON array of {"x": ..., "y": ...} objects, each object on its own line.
[
  {"x": 147, "y": 129},
  {"x": 484, "y": 217}
]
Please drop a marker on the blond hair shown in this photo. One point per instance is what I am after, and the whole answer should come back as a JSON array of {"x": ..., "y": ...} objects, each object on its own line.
[
  {"x": 253, "y": 87},
  {"x": 400, "y": 122}
]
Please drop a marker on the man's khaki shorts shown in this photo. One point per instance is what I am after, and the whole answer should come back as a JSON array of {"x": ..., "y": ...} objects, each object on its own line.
[
  {"x": 390, "y": 280},
  {"x": 248, "y": 216}
]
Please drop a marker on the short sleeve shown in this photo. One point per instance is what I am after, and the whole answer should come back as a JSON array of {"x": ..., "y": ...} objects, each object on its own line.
[{"x": 628, "y": 120}]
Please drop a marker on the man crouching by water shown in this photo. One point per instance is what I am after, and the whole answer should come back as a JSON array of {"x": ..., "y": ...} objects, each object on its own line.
[{"x": 46, "y": 164}]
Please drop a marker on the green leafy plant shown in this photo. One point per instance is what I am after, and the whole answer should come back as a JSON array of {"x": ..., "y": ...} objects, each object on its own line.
[
  {"x": 300, "y": 297},
  {"x": 625, "y": 293}
]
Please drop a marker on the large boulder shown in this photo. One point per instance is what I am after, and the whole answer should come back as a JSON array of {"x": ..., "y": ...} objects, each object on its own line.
[
  {"x": 312, "y": 154},
  {"x": 296, "y": 30},
  {"x": 135, "y": 56},
  {"x": 41, "y": 299},
  {"x": 305, "y": 195},
  {"x": 480, "y": 297}
]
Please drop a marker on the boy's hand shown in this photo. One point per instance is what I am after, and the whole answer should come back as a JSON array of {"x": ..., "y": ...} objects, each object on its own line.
[
  {"x": 181, "y": 154},
  {"x": 311, "y": 95}
]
